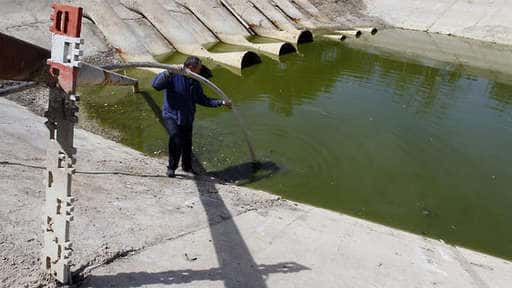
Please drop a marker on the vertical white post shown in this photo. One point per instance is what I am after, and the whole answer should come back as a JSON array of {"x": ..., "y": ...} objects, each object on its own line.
[{"x": 58, "y": 210}]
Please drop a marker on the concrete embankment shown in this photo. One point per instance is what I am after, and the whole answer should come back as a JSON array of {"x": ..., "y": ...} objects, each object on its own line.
[
  {"x": 228, "y": 29},
  {"x": 198, "y": 233},
  {"x": 482, "y": 20},
  {"x": 140, "y": 36},
  {"x": 187, "y": 33},
  {"x": 140, "y": 30},
  {"x": 267, "y": 21},
  {"x": 117, "y": 32},
  {"x": 442, "y": 51}
]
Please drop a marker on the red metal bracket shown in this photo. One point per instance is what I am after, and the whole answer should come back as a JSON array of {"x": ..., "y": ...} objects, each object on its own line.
[
  {"x": 66, "y": 20},
  {"x": 65, "y": 74}
]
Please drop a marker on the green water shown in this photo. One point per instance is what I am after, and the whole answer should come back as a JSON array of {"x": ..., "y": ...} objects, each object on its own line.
[{"x": 415, "y": 147}]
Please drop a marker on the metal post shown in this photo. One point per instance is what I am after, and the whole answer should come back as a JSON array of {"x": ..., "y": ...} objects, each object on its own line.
[{"x": 64, "y": 63}]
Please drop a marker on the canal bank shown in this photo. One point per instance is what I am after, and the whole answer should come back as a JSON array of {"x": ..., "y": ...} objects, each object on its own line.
[
  {"x": 432, "y": 84},
  {"x": 479, "y": 20},
  {"x": 135, "y": 228},
  {"x": 122, "y": 25},
  {"x": 415, "y": 143}
]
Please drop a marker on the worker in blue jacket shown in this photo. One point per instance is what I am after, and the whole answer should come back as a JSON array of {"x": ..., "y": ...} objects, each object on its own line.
[{"x": 180, "y": 98}]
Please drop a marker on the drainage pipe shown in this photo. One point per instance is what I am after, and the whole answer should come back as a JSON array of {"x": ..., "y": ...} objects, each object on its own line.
[
  {"x": 179, "y": 26},
  {"x": 335, "y": 37},
  {"x": 225, "y": 26},
  {"x": 260, "y": 23},
  {"x": 179, "y": 69},
  {"x": 371, "y": 30},
  {"x": 350, "y": 33}
]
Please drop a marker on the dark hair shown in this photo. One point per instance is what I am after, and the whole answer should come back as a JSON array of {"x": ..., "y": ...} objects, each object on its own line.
[{"x": 192, "y": 61}]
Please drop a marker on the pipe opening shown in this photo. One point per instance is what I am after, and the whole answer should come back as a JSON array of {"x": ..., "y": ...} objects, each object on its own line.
[
  {"x": 343, "y": 38},
  {"x": 287, "y": 48},
  {"x": 374, "y": 31},
  {"x": 305, "y": 37},
  {"x": 358, "y": 33},
  {"x": 249, "y": 59}
]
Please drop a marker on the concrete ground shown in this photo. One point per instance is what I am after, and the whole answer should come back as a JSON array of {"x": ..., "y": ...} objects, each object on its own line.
[{"x": 135, "y": 228}]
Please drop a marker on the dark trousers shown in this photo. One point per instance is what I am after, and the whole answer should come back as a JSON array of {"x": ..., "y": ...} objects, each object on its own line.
[{"x": 180, "y": 144}]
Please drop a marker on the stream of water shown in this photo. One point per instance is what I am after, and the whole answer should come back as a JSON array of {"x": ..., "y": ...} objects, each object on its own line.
[{"x": 412, "y": 143}]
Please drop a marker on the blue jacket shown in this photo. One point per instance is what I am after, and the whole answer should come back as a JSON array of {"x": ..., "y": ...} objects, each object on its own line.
[{"x": 181, "y": 96}]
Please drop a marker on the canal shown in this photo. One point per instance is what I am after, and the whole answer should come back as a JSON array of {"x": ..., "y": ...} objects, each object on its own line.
[{"x": 399, "y": 138}]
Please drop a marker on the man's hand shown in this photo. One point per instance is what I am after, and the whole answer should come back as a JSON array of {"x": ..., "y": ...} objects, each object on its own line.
[{"x": 227, "y": 103}]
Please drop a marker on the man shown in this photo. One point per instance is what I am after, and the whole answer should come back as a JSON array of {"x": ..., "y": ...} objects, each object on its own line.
[{"x": 180, "y": 98}]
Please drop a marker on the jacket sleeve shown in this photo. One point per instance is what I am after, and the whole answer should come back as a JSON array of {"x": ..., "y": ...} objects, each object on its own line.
[
  {"x": 204, "y": 100},
  {"x": 161, "y": 81}
]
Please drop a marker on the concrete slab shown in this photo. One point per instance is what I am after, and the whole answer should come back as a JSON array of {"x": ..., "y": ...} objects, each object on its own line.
[
  {"x": 304, "y": 247},
  {"x": 477, "y": 19},
  {"x": 154, "y": 42}
]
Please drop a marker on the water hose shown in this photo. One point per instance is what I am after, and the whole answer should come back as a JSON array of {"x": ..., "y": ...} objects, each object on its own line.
[{"x": 180, "y": 69}]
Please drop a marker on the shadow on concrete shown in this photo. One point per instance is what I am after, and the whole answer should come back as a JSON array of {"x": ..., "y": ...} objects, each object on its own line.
[
  {"x": 138, "y": 279},
  {"x": 237, "y": 267}
]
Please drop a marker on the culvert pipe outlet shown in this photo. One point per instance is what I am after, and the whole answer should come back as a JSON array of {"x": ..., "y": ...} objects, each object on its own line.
[
  {"x": 305, "y": 36},
  {"x": 350, "y": 33},
  {"x": 186, "y": 33},
  {"x": 278, "y": 48},
  {"x": 335, "y": 37},
  {"x": 238, "y": 60},
  {"x": 265, "y": 20},
  {"x": 371, "y": 30},
  {"x": 230, "y": 28}
]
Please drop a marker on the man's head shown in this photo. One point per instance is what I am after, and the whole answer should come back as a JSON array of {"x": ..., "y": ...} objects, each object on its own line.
[{"x": 193, "y": 64}]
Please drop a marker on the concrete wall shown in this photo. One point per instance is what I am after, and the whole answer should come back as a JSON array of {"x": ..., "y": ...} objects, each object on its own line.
[
  {"x": 441, "y": 51},
  {"x": 487, "y": 20}
]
